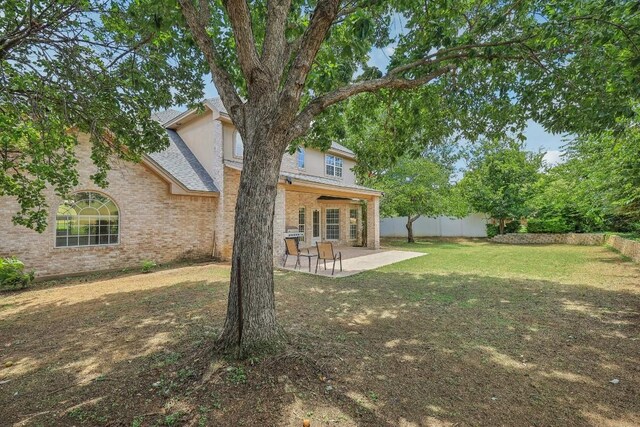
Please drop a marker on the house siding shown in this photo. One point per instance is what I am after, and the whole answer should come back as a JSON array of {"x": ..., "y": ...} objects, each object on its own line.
[
  {"x": 154, "y": 224},
  {"x": 199, "y": 136},
  {"x": 161, "y": 221}
]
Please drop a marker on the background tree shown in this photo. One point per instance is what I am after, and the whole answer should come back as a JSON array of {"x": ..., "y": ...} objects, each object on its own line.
[
  {"x": 68, "y": 67},
  {"x": 414, "y": 188},
  {"x": 597, "y": 188},
  {"x": 499, "y": 180},
  {"x": 279, "y": 65}
]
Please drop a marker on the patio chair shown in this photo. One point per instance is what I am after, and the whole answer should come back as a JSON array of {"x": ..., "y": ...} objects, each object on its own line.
[
  {"x": 291, "y": 248},
  {"x": 325, "y": 252}
]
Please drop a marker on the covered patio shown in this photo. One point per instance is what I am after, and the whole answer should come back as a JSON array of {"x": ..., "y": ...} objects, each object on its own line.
[
  {"x": 316, "y": 209},
  {"x": 354, "y": 260}
]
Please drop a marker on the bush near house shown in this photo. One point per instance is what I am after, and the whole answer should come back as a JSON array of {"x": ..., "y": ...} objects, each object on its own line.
[
  {"x": 553, "y": 225},
  {"x": 148, "y": 265},
  {"x": 12, "y": 275}
]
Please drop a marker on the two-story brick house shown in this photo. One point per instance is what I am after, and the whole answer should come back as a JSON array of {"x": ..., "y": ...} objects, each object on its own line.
[{"x": 180, "y": 203}]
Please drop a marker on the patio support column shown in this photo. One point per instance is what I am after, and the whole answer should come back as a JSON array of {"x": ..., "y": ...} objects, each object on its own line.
[
  {"x": 373, "y": 223},
  {"x": 279, "y": 219}
]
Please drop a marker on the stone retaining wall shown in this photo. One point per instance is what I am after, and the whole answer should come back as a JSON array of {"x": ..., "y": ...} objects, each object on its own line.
[
  {"x": 589, "y": 239},
  {"x": 626, "y": 247},
  {"x": 630, "y": 248}
]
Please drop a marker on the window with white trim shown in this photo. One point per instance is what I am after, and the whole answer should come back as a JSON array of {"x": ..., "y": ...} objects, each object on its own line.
[
  {"x": 238, "y": 145},
  {"x": 300, "y": 158},
  {"x": 87, "y": 219},
  {"x": 301, "y": 220},
  {"x": 333, "y": 165},
  {"x": 332, "y": 224}
]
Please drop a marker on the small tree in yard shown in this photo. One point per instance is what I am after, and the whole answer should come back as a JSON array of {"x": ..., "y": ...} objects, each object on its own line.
[
  {"x": 499, "y": 180},
  {"x": 280, "y": 67},
  {"x": 415, "y": 188}
]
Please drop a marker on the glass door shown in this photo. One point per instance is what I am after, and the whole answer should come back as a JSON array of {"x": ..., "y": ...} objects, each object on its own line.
[{"x": 316, "y": 226}]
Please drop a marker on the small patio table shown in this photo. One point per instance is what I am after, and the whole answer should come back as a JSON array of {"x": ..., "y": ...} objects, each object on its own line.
[{"x": 308, "y": 255}]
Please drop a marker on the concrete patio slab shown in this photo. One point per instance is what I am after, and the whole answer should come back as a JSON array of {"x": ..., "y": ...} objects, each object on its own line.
[{"x": 354, "y": 261}]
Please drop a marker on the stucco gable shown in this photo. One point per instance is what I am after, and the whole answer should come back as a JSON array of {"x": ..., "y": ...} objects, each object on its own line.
[{"x": 179, "y": 162}]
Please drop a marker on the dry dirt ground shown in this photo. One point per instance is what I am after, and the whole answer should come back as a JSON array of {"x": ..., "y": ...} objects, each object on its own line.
[{"x": 472, "y": 334}]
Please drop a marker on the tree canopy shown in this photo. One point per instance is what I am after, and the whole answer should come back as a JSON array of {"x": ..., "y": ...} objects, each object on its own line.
[
  {"x": 416, "y": 187},
  {"x": 500, "y": 179},
  {"x": 597, "y": 188},
  {"x": 71, "y": 66}
]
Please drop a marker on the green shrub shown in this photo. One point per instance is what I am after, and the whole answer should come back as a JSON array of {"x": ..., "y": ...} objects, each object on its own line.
[
  {"x": 492, "y": 230},
  {"x": 512, "y": 227},
  {"x": 553, "y": 225},
  {"x": 148, "y": 265},
  {"x": 12, "y": 275}
]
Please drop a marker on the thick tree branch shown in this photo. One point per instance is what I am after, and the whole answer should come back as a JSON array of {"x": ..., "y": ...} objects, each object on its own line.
[
  {"x": 323, "y": 17},
  {"x": 275, "y": 49},
  {"x": 197, "y": 20},
  {"x": 240, "y": 18},
  {"x": 303, "y": 121}
]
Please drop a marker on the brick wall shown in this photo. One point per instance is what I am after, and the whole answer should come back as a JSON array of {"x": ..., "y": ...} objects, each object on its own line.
[
  {"x": 154, "y": 225},
  {"x": 230, "y": 196},
  {"x": 294, "y": 200}
]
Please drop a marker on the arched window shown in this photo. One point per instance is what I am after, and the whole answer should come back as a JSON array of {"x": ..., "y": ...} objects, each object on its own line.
[
  {"x": 238, "y": 146},
  {"x": 87, "y": 219}
]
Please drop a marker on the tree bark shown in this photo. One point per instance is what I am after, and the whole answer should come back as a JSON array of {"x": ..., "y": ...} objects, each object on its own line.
[
  {"x": 251, "y": 314},
  {"x": 501, "y": 225},
  {"x": 409, "y": 225}
]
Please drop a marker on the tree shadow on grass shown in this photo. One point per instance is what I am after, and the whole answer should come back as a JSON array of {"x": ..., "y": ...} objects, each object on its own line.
[
  {"x": 376, "y": 349},
  {"x": 423, "y": 350}
]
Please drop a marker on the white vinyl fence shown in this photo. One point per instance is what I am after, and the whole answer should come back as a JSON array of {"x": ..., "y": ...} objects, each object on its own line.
[{"x": 469, "y": 226}]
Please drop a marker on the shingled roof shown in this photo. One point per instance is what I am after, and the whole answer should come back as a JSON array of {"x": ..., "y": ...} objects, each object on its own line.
[
  {"x": 166, "y": 115},
  {"x": 179, "y": 162}
]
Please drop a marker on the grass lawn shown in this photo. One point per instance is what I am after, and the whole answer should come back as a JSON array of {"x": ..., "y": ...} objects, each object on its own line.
[{"x": 471, "y": 334}]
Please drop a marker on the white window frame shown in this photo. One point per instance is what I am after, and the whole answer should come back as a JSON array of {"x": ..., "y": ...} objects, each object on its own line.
[
  {"x": 117, "y": 217},
  {"x": 237, "y": 153},
  {"x": 327, "y": 223},
  {"x": 335, "y": 163},
  {"x": 300, "y": 156}
]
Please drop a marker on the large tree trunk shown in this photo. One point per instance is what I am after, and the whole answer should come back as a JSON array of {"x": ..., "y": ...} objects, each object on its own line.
[
  {"x": 251, "y": 314},
  {"x": 501, "y": 225}
]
